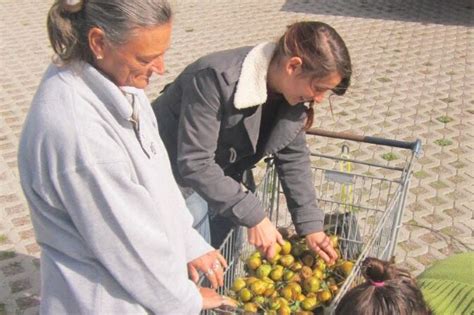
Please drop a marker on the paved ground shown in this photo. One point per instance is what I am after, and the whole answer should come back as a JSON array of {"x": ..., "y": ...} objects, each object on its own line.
[{"x": 414, "y": 78}]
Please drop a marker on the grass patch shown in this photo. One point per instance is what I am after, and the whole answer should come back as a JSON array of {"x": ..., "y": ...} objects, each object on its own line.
[
  {"x": 384, "y": 79},
  {"x": 443, "y": 142},
  {"x": 390, "y": 156},
  {"x": 7, "y": 254},
  {"x": 427, "y": 64},
  {"x": 3, "y": 238},
  {"x": 438, "y": 184},
  {"x": 421, "y": 174},
  {"x": 444, "y": 119},
  {"x": 447, "y": 100}
]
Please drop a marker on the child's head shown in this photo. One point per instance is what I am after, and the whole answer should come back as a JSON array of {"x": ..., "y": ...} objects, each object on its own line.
[{"x": 387, "y": 290}]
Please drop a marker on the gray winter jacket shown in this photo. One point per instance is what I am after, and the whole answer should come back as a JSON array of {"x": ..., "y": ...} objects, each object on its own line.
[{"x": 210, "y": 119}]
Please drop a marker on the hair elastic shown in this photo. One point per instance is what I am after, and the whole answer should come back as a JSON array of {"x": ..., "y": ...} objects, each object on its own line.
[
  {"x": 73, "y": 6},
  {"x": 377, "y": 283}
]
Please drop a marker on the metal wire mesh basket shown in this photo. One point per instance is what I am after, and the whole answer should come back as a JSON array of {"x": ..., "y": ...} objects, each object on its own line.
[{"x": 363, "y": 202}]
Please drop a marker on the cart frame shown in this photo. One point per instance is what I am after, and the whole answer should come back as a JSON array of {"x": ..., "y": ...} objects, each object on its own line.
[{"x": 364, "y": 205}]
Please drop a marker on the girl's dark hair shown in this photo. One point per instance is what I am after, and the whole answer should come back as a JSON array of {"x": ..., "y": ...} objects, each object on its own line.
[
  {"x": 322, "y": 51},
  {"x": 69, "y": 25},
  {"x": 387, "y": 290}
]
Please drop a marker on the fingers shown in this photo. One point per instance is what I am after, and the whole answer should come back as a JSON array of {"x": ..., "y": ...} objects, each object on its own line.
[
  {"x": 270, "y": 251},
  {"x": 215, "y": 274},
  {"x": 279, "y": 238},
  {"x": 323, "y": 254},
  {"x": 225, "y": 300},
  {"x": 212, "y": 277},
  {"x": 219, "y": 271},
  {"x": 222, "y": 260},
  {"x": 193, "y": 274}
]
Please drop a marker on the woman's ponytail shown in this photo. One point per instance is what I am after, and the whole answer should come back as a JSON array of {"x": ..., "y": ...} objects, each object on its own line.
[{"x": 62, "y": 29}]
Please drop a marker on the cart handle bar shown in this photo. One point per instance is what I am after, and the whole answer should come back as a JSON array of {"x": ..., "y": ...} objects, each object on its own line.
[{"x": 415, "y": 146}]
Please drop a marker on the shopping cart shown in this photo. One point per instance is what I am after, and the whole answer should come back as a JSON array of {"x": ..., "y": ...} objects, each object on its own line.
[{"x": 363, "y": 201}]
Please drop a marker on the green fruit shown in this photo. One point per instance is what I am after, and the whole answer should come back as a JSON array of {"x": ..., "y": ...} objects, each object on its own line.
[
  {"x": 308, "y": 259},
  {"x": 287, "y": 260},
  {"x": 251, "y": 307},
  {"x": 269, "y": 291},
  {"x": 296, "y": 266},
  {"x": 274, "y": 259},
  {"x": 288, "y": 275},
  {"x": 346, "y": 268},
  {"x": 250, "y": 280},
  {"x": 258, "y": 287},
  {"x": 306, "y": 272},
  {"x": 297, "y": 249},
  {"x": 295, "y": 287},
  {"x": 309, "y": 304},
  {"x": 254, "y": 262},
  {"x": 276, "y": 274},
  {"x": 238, "y": 284},
  {"x": 284, "y": 310},
  {"x": 334, "y": 241},
  {"x": 259, "y": 300},
  {"x": 245, "y": 295},
  {"x": 282, "y": 301},
  {"x": 287, "y": 293},
  {"x": 273, "y": 304},
  {"x": 263, "y": 271},
  {"x": 324, "y": 295},
  {"x": 286, "y": 248},
  {"x": 320, "y": 264},
  {"x": 318, "y": 274},
  {"x": 256, "y": 254},
  {"x": 312, "y": 284}
]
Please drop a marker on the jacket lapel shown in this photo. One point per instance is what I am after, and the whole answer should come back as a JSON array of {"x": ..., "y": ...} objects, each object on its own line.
[
  {"x": 252, "y": 127},
  {"x": 288, "y": 123}
]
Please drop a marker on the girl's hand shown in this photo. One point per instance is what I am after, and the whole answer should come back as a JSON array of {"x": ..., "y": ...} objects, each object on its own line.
[
  {"x": 264, "y": 236},
  {"x": 319, "y": 242}
]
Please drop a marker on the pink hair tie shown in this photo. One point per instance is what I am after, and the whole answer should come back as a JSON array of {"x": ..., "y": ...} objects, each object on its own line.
[{"x": 377, "y": 283}]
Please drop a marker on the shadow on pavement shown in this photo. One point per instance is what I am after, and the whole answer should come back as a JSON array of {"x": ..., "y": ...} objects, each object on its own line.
[
  {"x": 445, "y": 12},
  {"x": 19, "y": 283}
]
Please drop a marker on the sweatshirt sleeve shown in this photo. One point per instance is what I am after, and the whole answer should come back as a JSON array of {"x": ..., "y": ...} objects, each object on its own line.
[
  {"x": 119, "y": 222},
  {"x": 198, "y": 134},
  {"x": 294, "y": 169}
]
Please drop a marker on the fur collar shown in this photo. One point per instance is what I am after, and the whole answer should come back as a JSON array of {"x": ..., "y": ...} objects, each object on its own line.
[{"x": 252, "y": 86}]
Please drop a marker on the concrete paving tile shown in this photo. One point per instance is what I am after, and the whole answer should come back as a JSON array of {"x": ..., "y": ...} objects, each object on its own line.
[{"x": 413, "y": 65}]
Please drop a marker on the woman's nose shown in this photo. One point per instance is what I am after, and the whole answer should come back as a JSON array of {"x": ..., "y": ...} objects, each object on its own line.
[
  {"x": 318, "y": 98},
  {"x": 158, "y": 66}
]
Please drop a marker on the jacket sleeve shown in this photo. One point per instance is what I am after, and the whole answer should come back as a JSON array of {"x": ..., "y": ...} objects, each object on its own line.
[
  {"x": 294, "y": 169},
  {"x": 119, "y": 223},
  {"x": 198, "y": 135}
]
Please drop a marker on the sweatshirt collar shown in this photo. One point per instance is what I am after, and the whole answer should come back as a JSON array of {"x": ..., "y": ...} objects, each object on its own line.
[{"x": 108, "y": 92}]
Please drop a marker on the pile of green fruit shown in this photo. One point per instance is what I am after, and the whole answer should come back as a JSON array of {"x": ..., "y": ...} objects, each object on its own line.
[{"x": 294, "y": 281}]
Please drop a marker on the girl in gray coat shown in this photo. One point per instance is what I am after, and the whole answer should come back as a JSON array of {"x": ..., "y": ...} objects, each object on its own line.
[
  {"x": 115, "y": 234},
  {"x": 229, "y": 109}
]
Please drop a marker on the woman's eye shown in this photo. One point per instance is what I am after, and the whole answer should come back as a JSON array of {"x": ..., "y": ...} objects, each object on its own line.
[{"x": 143, "y": 62}]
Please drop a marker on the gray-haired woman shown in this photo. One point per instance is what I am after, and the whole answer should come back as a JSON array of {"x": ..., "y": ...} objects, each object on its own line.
[{"x": 115, "y": 234}]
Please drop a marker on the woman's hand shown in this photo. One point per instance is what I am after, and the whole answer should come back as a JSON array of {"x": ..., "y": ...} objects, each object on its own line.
[
  {"x": 320, "y": 243},
  {"x": 264, "y": 237},
  {"x": 212, "y": 265},
  {"x": 212, "y": 299}
]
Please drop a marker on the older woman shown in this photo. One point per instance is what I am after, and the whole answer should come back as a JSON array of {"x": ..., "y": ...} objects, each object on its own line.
[{"x": 115, "y": 233}]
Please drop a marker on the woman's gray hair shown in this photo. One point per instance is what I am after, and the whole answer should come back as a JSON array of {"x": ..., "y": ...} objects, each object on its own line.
[{"x": 69, "y": 23}]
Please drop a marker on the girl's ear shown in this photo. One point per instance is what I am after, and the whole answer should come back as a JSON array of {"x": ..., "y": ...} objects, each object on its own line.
[{"x": 293, "y": 65}]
